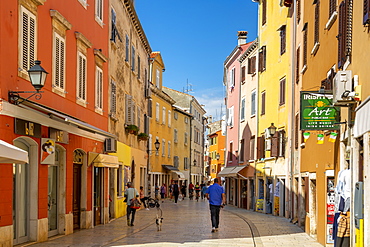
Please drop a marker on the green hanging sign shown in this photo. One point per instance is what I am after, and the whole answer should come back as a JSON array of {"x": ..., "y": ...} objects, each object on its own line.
[{"x": 317, "y": 111}]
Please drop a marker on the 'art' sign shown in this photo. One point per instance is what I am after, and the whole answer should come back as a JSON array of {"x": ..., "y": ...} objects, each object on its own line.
[{"x": 317, "y": 112}]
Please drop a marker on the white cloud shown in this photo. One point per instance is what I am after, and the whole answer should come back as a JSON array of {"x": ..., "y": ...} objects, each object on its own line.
[{"x": 213, "y": 101}]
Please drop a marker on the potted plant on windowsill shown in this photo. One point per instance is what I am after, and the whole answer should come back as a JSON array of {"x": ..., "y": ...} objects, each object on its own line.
[
  {"x": 143, "y": 137},
  {"x": 132, "y": 129}
]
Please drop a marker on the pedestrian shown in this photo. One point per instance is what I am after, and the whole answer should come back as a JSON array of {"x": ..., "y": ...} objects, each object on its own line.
[
  {"x": 197, "y": 191},
  {"x": 143, "y": 198},
  {"x": 156, "y": 191},
  {"x": 130, "y": 193},
  {"x": 216, "y": 196},
  {"x": 163, "y": 191},
  {"x": 183, "y": 190},
  {"x": 171, "y": 191},
  {"x": 203, "y": 190},
  {"x": 191, "y": 190},
  {"x": 175, "y": 191}
]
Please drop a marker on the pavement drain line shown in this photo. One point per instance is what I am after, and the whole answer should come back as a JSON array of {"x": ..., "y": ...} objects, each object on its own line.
[
  {"x": 129, "y": 234},
  {"x": 255, "y": 233}
]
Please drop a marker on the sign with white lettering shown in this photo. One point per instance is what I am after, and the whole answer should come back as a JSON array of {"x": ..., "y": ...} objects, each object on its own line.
[{"x": 317, "y": 112}]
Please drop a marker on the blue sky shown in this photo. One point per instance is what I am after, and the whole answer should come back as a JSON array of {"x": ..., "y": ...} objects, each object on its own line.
[{"x": 194, "y": 38}]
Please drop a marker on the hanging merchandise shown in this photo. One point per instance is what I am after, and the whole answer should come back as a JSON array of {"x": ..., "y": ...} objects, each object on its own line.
[
  {"x": 306, "y": 135},
  {"x": 333, "y": 136},
  {"x": 320, "y": 138}
]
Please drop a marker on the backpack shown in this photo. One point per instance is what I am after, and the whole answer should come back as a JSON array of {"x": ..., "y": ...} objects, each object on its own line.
[{"x": 134, "y": 203}]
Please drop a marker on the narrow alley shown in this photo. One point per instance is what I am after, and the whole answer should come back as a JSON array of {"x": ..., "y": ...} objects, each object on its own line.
[{"x": 188, "y": 224}]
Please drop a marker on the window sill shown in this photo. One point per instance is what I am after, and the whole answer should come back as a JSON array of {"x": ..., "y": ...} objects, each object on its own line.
[
  {"x": 331, "y": 21},
  {"x": 83, "y": 3},
  {"x": 254, "y": 115},
  {"x": 113, "y": 117},
  {"x": 100, "y": 22},
  {"x": 59, "y": 91},
  {"x": 99, "y": 110},
  {"x": 315, "y": 48},
  {"x": 304, "y": 69},
  {"x": 81, "y": 102}
]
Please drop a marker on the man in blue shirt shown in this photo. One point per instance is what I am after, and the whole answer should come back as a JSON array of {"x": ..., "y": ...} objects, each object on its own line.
[{"x": 216, "y": 196}]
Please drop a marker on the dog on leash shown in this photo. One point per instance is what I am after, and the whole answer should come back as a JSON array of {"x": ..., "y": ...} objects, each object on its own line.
[{"x": 159, "y": 221}]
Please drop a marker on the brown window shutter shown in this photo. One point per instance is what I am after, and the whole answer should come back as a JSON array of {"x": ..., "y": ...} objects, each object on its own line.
[
  {"x": 366, "y": 19},
  {"x": 332, "y": 7},
  {"x": 282, "y": 91},
  {"x": 264, "y": 57},
  {"x": 317, "y": 21},
  {"x": 298, "y": 6},
  {"x": 263, "y": 103},
  {"x": 260, "y": 149},
  {"x": 250, "y": 65},
  {"x": 243, "y": 74},
  {"x": 297, "y": 65},
  {"x": 264, "y": 14},
  {"x": 282, "y": 141},
  {"x": 275, "y": 145},
  {"x": 282, "y": 39},
  {"x": 253, "y": 64},
  {"x": 260, "y": 62},
  {"x": 296, "y": 131},
  {"x": 342, "y": 34},
  {"x": 305, "y": 38}
]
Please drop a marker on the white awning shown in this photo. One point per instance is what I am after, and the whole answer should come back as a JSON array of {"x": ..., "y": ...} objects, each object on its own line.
[
  {"x": 12, "y": 154},
  {"x": 231, "y": 171},
  {"x": 362, "y": 123},
  {"x": 103, "y": 160},
  {"x": 176, "y": 175}
]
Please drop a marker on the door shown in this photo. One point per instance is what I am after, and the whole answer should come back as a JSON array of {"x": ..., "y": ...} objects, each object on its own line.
[
  {"x": 76, "y": 196},
  {"x": 53, "y": 199},
  {"x": 252, "y": 195},
  {"x": 98, "y": 195},
  {"x": 21, "y": 199}
]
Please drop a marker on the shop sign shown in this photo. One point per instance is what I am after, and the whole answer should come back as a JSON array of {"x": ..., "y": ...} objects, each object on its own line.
[
  {"x": 318, "y": 112},
  {"x": 23, "y": 127},
  {"x": 59, "y": 135},
  {"x": 47, "y": 151}
]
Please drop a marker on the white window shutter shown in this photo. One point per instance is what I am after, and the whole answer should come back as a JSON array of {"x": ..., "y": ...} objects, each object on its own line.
[
  {"x": 133, "y": 112},
  {"x": 128, "y": 109},
  {"x": 157, "y": 112}
]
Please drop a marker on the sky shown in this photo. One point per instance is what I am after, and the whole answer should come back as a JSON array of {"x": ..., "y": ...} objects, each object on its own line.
[{"x": 194, "y": 38}]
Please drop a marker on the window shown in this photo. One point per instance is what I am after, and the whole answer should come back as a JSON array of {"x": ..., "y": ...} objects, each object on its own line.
[
  {"x": 175, "y": 135},
  {"x": 253, "y": 103},
  {"x": 186, "y": 119},
  {"x": 164, "y": 147},
  {"x": 186, "y": 138},
  {"x": 366, "y": 18},
  {"x": 345, "y": 34},
  {"x": 164, "y": 115},
  {"x": 305, "y": 35},
  {"x": 99, "y": 10},
  {"x": 175, "y": 115},
  {"x": 99, "y": 89},
  {"x": 81, "y": 77},
  {"x": 230, "y": 158},
  {"x": 127, "y": 48},
  {"x": 119, "y": 180},
  {"x": 138, "y": 116},
  {"x": 243, "y": 74},
  {"x": 113, "y": 99},
  {"x": 242, "y": 110},
  {"x": 263, "y": 103},
  {"x": 169, "y": 149},
  {"x": 169, "y": 118},
  {"x": 186, "y": 163},
  {"x": 27, "y": 40},
  {"x": 282, "y": 39},
  {"x": 232, "y": 78},
  {"x": 282, "y": 91},
  {"x": 230, "y": 119},
  {"x": 297, "y": 69},
  {"x": 157, "y": 81},
  {"x": 130, "y": 108},
  {"x": 114, "y": 31},
  {"x": 281, "y": 145},
  {"x": 241, "y": 155},
  {"x": 157, "y": 112},
  {"x": 252, "y": 147},
  {"x": 150, "y": 108},
  {"x": 296, "y": 132},
  {"x": 59, "y": 62},
  {"x": 176, "y": 161},
  {"x": 298, "y": 6},
  {"x": 317, "y": 22},
  {"x": 332, "y": 7},
  {"x": 252, "y": 65},
  {"x": 262, "y": 59},
  {"x": 133, "y": 58},
  {"x": 138, "y": 67},
  {"x": 264, "y": 14}
]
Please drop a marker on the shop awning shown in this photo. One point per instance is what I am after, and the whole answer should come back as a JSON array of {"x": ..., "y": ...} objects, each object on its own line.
[
  {"x": 231, "y": 171},
  {"x": 12, "y": 154},
  {"x": 176, "y": 175},
  {"x": 103, "y": 160},
  {"x": 170, "y": 168},
  {"x": 362, "y": 123}
]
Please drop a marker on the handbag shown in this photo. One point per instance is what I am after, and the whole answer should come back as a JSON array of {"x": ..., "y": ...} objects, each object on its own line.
[{"x": 135, "y": 203}]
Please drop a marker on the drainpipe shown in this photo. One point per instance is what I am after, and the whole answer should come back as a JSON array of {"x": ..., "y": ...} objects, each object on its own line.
[{"x": 292, "y": 110}]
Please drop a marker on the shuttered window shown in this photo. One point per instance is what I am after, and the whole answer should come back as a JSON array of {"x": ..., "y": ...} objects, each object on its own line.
[
  {"x": 99, "y": 89},
  {"x": 138, "y": 117},
  {"x": 59, "y": 61},
  {"x": 176, "y": 161},
  {"x": 297, "y": 69},
  {"x": 243, "y": 74},
  {"x": 252, "y": 147},
  {"x": 232, "y": 78},
  {"x": 275, "y": 145},
  {"x": 264, "y": 14},
  {"x": 263, "y": 103},
  {"x": 366, "y": 19},
  {"x": 133, "y": 58},
  {"x": 230, "y": 158},
  {"x": 157, "y": 78},
  {"x": 332, "y": 7},
  {"x": 138, "y": 67},
  {"x": 241, "y": 153},
  {"x": 317, "y": 22},
  {"x": 260, "y": 147},
  {"x": 253, "y": 103},
  {"x": 163, "y": 115},
  {"x": 282, "y": 39},
  {"x": 175, "y": 136},
  {"x": 127, "y": 48},
  {"x": 344, "y": 34},
  {"x": 169, "y": 118},
  {"x": 298, "y": 6},
  {"x": 157, "y": 112},
  {"x": 262, "y": 59},
  {"x": 305, "y": 40},
  {"x": 129, "y": 105},
  {"x": 81, "y": 77},
  {"x": 28, "y": 39},
  {"x": 242, "y": 110},
  {"x": 113, "y": 98},
  {"x": 282, "y": 91},
  {"x": 296, "y": 132},
  {"x": 150, "y": 108},
  {"x": 252, "y": 65},
  {"x": 281, "y": 143}
]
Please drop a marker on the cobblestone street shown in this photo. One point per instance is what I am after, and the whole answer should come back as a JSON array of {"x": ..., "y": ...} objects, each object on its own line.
[{"x": 188, "y": 224}]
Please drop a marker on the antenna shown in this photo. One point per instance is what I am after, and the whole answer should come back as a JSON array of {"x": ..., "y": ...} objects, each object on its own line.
[{"x": 189, "y": 87}]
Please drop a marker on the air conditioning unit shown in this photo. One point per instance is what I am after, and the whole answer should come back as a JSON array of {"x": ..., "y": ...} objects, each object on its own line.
[
  {"x": 342, "y": 87},
  {"x": 110, "y": 145}
]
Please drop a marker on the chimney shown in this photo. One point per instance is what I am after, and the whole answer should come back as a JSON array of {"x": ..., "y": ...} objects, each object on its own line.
[
  {"x": 242, "y": 37},
  {"x": 210, "y": 119}
]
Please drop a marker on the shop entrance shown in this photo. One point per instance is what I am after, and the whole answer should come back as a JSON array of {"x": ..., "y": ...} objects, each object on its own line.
[
  {"x": 77, "y": 167},
  {"x": 53, "y": 178},
  {"x": 98, "y": 195}
]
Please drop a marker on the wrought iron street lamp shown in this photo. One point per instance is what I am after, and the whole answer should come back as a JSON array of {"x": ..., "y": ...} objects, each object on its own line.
[
  {"x": 37, "y": 76},
  {"x": 272, "y": 130}
]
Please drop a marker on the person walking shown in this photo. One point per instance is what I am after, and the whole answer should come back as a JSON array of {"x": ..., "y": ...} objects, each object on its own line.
[
  {"x": 175, "y": 191},
  {"x": 143, "y": 198},
  {"x": 197, "y": 191},
  {"x": 191, "y": 190},
  {"x": 183, "y": 190},
  {"x": 130, "y": 193},
  {"x": 203, "y": 190},
  {"x": 163, "y": 192},
  {"x": 216, "y": 196}
]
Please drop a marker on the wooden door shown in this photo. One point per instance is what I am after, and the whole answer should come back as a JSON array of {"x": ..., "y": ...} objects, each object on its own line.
[{"x": 76, "y": 196}]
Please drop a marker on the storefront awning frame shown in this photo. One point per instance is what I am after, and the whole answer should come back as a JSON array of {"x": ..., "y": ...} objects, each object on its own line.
[
  {"x": 231, "y": 171},
  {"x": 12, "y": 154},
  {"x": 103, "y": 160}
]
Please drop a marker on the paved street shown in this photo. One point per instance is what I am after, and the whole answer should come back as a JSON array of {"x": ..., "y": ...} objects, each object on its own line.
[{"x": 188, "y": 224}]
